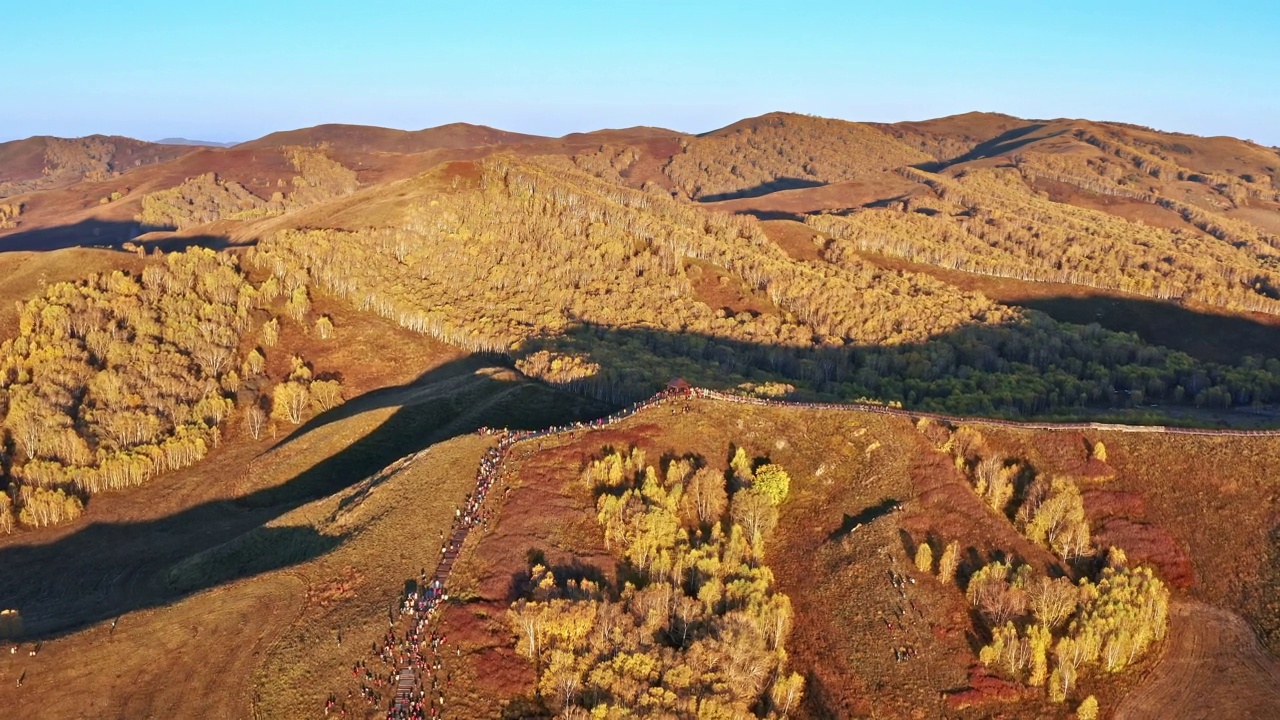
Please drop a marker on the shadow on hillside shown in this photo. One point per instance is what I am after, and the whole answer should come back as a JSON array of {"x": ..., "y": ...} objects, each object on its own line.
[
  {"x": 178, "y": 243},
  {"x": 771, "y": 214},
  {"x": 86, "y": 233},
  {"x": 391, "y": 396},
  {"x": 105, "y": 234},
  {"x": 1031, "y": 367},
  {"x": 104, "y": 569},
  {"x": 999, "y": 145},
  {"x": 784, "y": 183},
  {"x": 850, "y": 523},
  {"x": 1208, "y": 337},
  {"x": 521, "y": 583}
]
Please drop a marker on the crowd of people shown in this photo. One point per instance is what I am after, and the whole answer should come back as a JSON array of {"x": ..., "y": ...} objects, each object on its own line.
[
  {"x": 411, "y": 668},
  {"x": 417, "y": 673},
  {"x": 902, "y": 618}
]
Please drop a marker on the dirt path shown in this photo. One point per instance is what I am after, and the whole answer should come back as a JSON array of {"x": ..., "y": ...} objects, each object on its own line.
[{"x": 1212, "y": 667}]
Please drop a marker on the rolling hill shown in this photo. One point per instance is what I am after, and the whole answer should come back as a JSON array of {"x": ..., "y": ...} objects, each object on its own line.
[
  {"x": 243, "y": 423},
  {"x": 40, "y": 163},
  {"x": 366, "y": 139}
]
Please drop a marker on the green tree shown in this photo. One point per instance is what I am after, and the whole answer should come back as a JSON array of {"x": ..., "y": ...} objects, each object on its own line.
[{"x": 773, "y": 482}]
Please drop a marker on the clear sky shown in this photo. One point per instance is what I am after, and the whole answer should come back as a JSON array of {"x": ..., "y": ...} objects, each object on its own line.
[{"x": 237, "y": 70}]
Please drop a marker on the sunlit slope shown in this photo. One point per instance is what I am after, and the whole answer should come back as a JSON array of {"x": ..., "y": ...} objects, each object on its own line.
[
  {"x": 839, "y": 542},
  {"x": 613, "y": 291}
]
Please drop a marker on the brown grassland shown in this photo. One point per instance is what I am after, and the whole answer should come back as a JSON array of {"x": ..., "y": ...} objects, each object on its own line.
[{"x": 469, "y": 277}]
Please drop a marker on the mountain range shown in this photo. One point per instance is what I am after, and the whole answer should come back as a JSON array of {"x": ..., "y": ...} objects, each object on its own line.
[{"x": 801, "y": 417}]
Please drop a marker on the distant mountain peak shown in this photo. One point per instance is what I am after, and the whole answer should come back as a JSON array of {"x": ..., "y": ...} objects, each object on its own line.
[{"x": 197, "y": 143}]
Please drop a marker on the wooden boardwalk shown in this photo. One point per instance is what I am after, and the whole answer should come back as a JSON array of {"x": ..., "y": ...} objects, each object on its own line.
[{"x": 406, "y": 681}]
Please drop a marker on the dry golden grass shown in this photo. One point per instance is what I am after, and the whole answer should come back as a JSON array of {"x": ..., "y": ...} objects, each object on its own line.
[
  {"x": 194, "y": 658},
  {"x": 1212, "y": 666},
  {"x": 226, "y": 524},
  {"x": 284, "y": 584},
  {"x": 392, "y": 528}
]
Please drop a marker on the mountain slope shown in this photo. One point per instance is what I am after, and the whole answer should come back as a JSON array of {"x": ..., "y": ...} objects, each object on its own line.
[
  {"x": 48, "y": 162},
  {"x": 781, "y": 151},
  {"x": 197, "y": 143},
  {"x": 469, "y": 285}
]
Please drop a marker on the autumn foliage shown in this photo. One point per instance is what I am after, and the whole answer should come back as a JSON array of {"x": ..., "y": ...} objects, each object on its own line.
[
  {"x": 118, "y": 377},
  {"x": 695, "y": 630},
  {"x": 585, "y": 284},
  {"x": 206, "y": 198}
]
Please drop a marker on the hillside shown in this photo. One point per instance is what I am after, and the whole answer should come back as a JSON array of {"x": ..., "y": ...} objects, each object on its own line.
[
  {"x": 197, "y": 143},
  {"x": 40, "y": 163},
  {"x": 837, "y": 543},
  {"x": 250, "y": 437},
  {"x": 782, "y": 151}
]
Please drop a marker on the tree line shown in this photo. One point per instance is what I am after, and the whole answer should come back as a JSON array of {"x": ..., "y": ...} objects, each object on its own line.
[
  {"x": 988, "y": 222},
  {"x": 206, "y": 198}
]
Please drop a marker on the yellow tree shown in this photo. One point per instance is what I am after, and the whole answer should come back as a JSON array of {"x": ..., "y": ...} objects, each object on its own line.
[
  {"x": 924, "y": 557},
  {"x": 6, "y": 513},
  {"x": 289, "y": 401},
  {"x": 773, "y": 482},
  {"x": 706, "y": 496},
  {"x": 949, "y": 561}
]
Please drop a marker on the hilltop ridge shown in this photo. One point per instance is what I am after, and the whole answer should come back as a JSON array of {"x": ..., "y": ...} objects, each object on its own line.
[{"x": 368, "y": 139}]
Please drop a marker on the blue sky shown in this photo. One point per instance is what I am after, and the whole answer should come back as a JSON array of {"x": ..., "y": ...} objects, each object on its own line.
[{"x": 238, "y": 70}]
